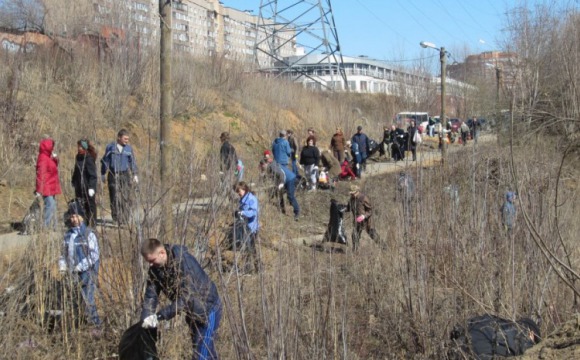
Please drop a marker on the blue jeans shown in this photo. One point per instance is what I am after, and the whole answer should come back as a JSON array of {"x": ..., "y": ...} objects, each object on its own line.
[
  {"x": 202, "y": 334},
  {"x": 49, "y": 211},
  {"x": 290, "y": 194},
  {"x": 88, "y": 281},
  {"x": 294, "y": 166}
]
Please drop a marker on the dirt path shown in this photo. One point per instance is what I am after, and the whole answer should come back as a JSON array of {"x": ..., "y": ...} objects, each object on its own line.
[{"x": 428, "y": 155}]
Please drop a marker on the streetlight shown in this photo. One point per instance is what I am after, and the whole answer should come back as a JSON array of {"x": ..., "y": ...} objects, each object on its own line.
[{"x": 442, "y": 57}]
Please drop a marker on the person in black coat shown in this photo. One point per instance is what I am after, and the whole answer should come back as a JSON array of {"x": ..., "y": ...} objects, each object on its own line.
[
  {"x": 398, "y": 140},
  {"x": 84, "y": 179},
  {"x": 411, "y": 145},
  {"x": 310, "y": 158}
]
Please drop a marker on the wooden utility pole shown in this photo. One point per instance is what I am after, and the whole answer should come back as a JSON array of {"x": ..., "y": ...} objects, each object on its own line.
[
  {"x": 443, "y": 134},
  {"x": 165, "y": 111}
]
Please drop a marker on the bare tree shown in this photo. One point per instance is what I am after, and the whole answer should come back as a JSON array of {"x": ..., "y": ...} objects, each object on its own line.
[{"x": 23, "y": 15}]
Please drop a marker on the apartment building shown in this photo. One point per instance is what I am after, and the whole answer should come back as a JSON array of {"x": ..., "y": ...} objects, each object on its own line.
[
  {"x": 199, "y": 27},
  {"x": 483, "y": 67}
]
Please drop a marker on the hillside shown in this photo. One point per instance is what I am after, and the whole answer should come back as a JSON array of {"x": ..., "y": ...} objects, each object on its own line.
[{"x": 445, "y": 262}]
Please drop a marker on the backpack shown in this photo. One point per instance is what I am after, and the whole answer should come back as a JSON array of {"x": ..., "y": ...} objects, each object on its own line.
[{"x": 489, "y": 337}]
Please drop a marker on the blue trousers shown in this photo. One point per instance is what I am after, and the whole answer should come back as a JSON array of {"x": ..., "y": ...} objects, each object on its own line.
[
  {"x": 88, "y": 281},
  {"x": 49, "y": 211},
  {"x": 202, "y": 335},
  {"x": 290, "y": 194}
]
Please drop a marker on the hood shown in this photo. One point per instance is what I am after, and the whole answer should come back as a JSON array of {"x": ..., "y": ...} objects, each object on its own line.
[
  {"x": 278, "y": 140},
  {"x": 509, "y": 196},
  {"x": 46, "y": 146}
]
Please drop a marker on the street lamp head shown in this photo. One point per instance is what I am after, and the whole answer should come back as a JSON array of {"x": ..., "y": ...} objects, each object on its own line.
[{"x": 426, "y": 44}]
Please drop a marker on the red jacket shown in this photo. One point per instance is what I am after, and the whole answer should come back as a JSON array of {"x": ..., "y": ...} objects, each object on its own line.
[{"x": 47, "y": 182}]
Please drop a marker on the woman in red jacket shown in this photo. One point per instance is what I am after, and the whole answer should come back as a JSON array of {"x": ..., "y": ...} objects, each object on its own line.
[{"x": 47, "y": 181}]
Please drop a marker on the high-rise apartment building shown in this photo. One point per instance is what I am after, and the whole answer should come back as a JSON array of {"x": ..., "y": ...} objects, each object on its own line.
[{"x": 200, "y": 27}]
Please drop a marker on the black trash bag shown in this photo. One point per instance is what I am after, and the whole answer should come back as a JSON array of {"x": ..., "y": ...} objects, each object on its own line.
[
  {"x": 335, "y": 229},
  {"x": 373, "y": 147},
  {"x": 490, "y": 337},
  {"x": 138, "y": 343}
]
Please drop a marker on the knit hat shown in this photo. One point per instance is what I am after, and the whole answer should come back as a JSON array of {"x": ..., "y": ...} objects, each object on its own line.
[
  {"x": 282, "y": 133},
  {"x": 359, "y": 128},
  {"x": 75, "y": 208},
  {"x": 267, "y": 153}
]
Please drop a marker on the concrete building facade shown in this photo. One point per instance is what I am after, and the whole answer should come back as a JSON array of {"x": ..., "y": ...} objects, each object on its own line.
[{"x": 199, "y": 27}]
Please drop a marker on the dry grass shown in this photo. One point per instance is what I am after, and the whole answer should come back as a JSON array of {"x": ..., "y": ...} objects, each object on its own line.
[{"x": 441, "y": 266}]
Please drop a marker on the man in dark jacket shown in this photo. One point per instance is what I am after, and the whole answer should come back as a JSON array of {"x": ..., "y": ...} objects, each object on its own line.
[
  {"x": 119, "y": 169},
  {"x": 411, "y": 144},
  {"x": 362, "y": 141},
  {"x": 175, "y": 272},
  {"x": 228, "y": 156},
  {"x": 361, "y": 208},
  {"x": 295, "y": 150}
]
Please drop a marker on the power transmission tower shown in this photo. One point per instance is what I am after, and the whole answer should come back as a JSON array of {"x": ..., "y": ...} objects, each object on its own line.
[{"x": 289, "y": 31}]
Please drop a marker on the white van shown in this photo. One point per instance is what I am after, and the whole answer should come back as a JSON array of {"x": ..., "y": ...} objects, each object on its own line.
[{"x": 421, "y": 119}]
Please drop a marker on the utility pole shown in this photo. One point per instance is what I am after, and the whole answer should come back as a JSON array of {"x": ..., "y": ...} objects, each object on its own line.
[
  {"x": 165, "y": 111},
  {"x": 443, "y": 58}
]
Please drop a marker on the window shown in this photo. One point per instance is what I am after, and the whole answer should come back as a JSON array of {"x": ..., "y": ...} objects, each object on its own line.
[
  {"x": 180, "y": 6},
  {"x": 181, "y": 27}
]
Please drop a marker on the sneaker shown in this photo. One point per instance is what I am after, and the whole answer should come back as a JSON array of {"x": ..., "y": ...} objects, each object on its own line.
[{"x": 296, "y": 217}]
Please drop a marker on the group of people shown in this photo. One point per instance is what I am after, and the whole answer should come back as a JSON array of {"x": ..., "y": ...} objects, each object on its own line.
[
  {"x": 397, "y": 141},
  {"x": 173, "y": 270},
  {"x": 118, "y": 170}
]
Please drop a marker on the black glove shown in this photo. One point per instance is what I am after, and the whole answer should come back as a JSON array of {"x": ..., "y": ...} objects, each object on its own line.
[{"x": 237, "y": 214}]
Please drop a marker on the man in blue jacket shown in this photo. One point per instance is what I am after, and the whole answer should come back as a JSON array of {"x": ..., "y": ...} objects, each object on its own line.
[
  {"x": 362, "y": 141},
  {"x": 281, "y": 149},
  {"x": 284, "y": 179},
  {"x": 176, "y": 273},
  {"x": 119, "y": 169}
]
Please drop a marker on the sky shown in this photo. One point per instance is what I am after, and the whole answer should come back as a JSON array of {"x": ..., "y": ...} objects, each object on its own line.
[{"x": 391, "y": 30}]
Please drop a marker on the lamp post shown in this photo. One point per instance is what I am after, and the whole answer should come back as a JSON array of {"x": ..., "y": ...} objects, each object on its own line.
[{"x": 443, "y": 60}]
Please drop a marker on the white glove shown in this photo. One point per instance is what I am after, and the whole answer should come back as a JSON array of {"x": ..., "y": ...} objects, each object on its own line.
[
  {"x": 281, "y": 186},
  {"x": 103, "y": 178},
  {"x": 91, "y": 192},
  {"x": 150, "y": 322},
  {"x": 37, "y": 194},
  {"x": 78, "y": 268},
  {"x": 135, "y": 179},
  {"x": 54, "y": 155}
]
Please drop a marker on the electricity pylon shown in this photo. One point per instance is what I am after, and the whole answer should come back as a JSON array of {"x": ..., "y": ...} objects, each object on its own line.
[{"x": 289, "y": 31}]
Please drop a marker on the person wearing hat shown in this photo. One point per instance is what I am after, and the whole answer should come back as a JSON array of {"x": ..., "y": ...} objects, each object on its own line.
[
  {"x": 84, "y": 179},
  {"x": 80, "y": 257},
  {"x": 361, "y": 208},
  {"x": 281, "y": 149},
  {"x": 361, "y": 142}
]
